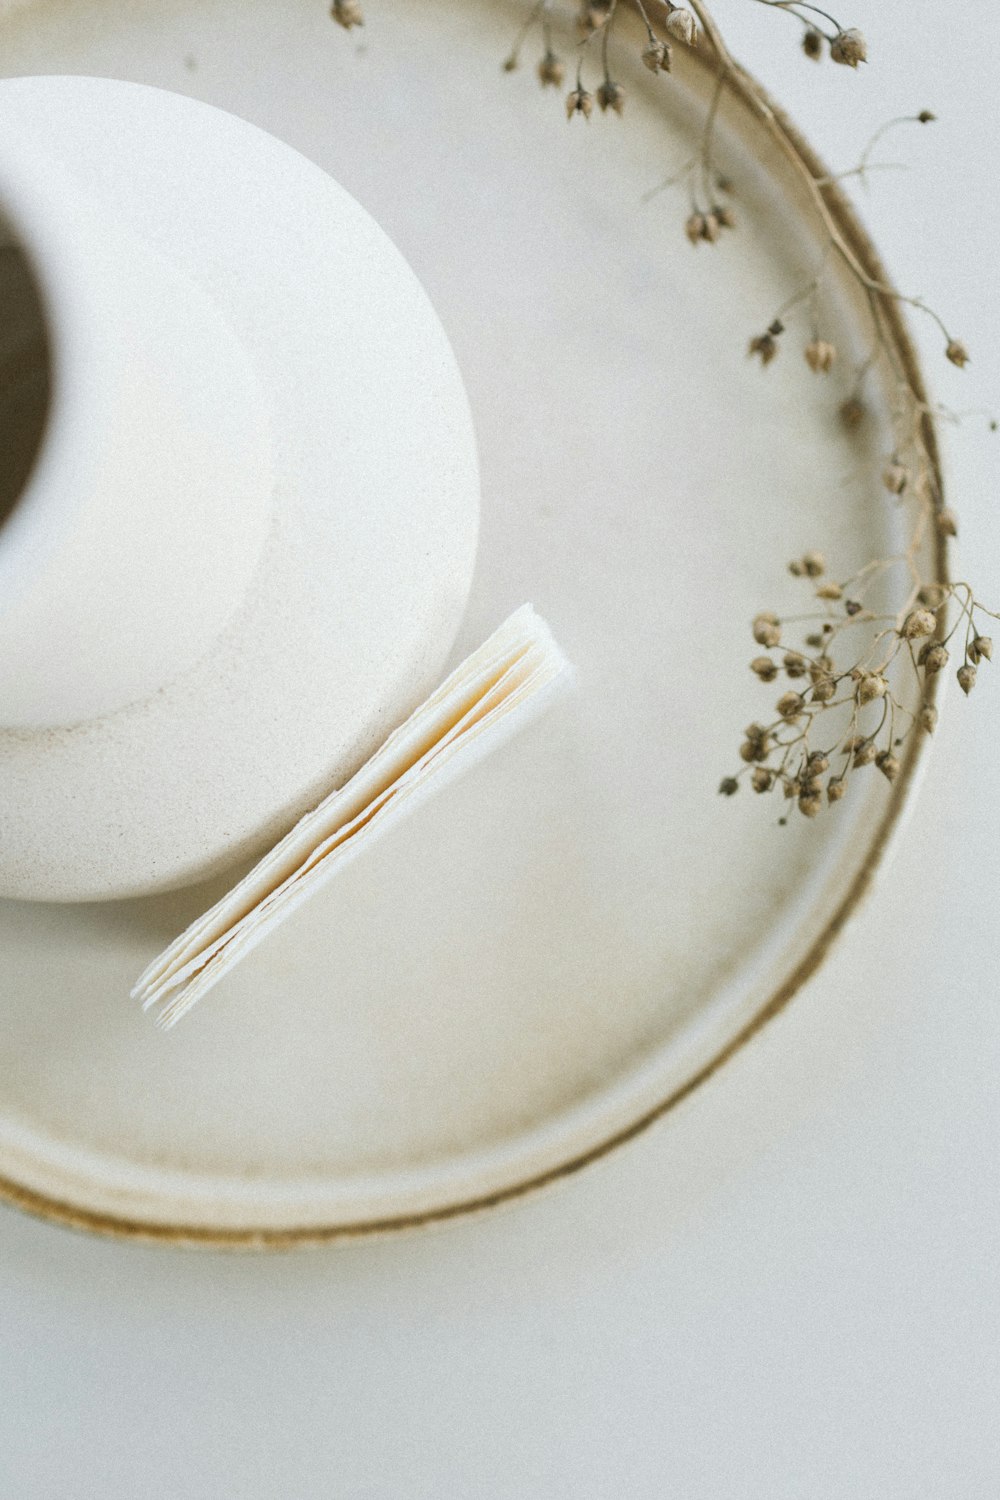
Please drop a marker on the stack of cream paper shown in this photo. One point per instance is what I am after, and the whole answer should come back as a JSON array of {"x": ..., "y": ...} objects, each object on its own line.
[{"x": 496, "y": 691}]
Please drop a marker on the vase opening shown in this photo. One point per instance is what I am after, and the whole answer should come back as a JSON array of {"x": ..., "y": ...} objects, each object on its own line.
[{"x": 25, "y": 371}]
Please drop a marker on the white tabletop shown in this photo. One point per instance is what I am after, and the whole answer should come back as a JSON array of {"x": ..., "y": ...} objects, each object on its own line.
[{"x": 785, "y": 1290}]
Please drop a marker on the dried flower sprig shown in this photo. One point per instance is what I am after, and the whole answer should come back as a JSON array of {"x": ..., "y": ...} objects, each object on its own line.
[{"x": 846, "y": 708}]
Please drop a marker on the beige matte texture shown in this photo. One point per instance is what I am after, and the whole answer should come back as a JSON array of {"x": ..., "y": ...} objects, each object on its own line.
[
  {"x": 359, "y": 433},
  {"x": 483, "y": 999}
]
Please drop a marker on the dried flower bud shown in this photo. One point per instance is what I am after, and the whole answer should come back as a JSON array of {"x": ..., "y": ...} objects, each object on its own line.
[
  {"x": 347, "y": 13},
  {"x": 888, "y": 765},
  {"x": 579, "y": 102},
  {"x": 765, "y": 345},
  {"x": 656, "y": 56},
  {"x": 790, "y": 705},
  {"x": 762, "y": 779},
  {"x": 966, "y": 678},
  {"x": 814, "y": 640},
  {"x": 728, "y": 786},
  {"x": 933, "y": 658},
  {"x": 817, "y": 764},
  {"x": 820, "y": 355},
  {"x": 895, "y": 478},
  {"x": 865, "y": 754},
  {"x": 928, "y": 718},
  {"x": 510, "y": 63},
  {"x": 848, "y": 47},
  {"x": 872, "y": 685},
  {"x": 695, "y": 228},
  {"x": 764, "y": 668},
  {"x": 810, "y": 803},
  {"x": 757, "y": 745},
  {"x": 852, "y": 607},
  {"x": 681, "y": 26},
  {"x": 710, "y": 227},
  {"x": 814, "y": 564},
  {"x": 796, "y": 568},
  {"x": 821, "y": 667},
  {"x": 957, "y": 353},
  {"x": 981, "y": 649},
  {"x": 725, "y": 215},
  {"x": 829, "y": 590},
  {"x": 812, "y": 44},
  {"x": 932, "y": 595},
  {"x": 919, "y": 622},
  {"x": 835, "y": 789},
  {"x": 611, "y": 95},
  {"x": 795, "y": 665},
  {"x": 824, "y": 688},
  {"x": 767, "y": 629},
  {"x": 925, "y": 117},
  {"x": 551, "y": 71},
  {"x": 853, "y": 412},
  {"x": 789, "y": 789},
  {"x": 947, "y": 522},
  {"x": 592, "y": 16}
]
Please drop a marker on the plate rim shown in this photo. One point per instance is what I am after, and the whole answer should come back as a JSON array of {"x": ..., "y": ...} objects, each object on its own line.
[{"x": 742, "y": 89}]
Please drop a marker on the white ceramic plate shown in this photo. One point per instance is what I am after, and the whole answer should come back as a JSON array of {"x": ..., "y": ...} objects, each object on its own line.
[{"x": 562, "y": 945}]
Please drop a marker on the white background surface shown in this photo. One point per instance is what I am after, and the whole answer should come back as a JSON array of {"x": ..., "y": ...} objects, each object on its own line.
[{"x": 788, "y": 1288}]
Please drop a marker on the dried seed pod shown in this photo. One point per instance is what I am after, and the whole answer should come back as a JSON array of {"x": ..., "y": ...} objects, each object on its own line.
[
  {"x": 829, "y": 590},
  {"x": 981, "y": 649},
  {"x": 579, "y": 102},
  {"x": 853, "y": 412},
  {"x": 933, "y": 658},
  {"x": 817, "y": 764},
  {"x": 835, "y": 789},
  {"x": 764, "y": 668},
  {"x": 656, "y": 56},
  {"x": 865, "y": 754},
  {"x": 928, "y": 718},
  {"x": 790, "y": 705},
  {"x": 762, "y": 779},
  {"x": 695, "y": 228},
  {"x": 810, "y": 803},
  {"x": 812, "y": 44},
  {"x": 932, "y": 595},
  {"x": 551, "y": 71},
  {"x": 820, "y": 355},
  {"x": 947, "y": 522},
  {"x": 966, "y": 678},
  {"x": 824, "y": 688},
  {"x": 853, "y": 607},
  {"x": 711, "y": 228},
  {"x": 919, "y": 622},
  {"x": 729, "y": 786},
  {"x": 347, "y": 13},
  {"x": 796, "y": 568},
  {"x": 871, "y": 686},
  {"x": 849, "y": 47},
  {"x": 888, "y": 765},
  {"x": 681, "y": 26},
  {"x": 957, "y": 353},
  {"x": 611, "y": 95},
  {"x": 765, "y": 346},
  {"x": 795, "y": 665},
  {"x": 814, "y": 564},
  {"x": 725, "y": 215},
  {"x": 767, "y": 629},
  {"x": 895, "y": 477}
]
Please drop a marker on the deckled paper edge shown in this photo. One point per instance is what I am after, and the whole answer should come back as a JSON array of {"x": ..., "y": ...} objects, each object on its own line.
[{"x": 174, "y": 981}]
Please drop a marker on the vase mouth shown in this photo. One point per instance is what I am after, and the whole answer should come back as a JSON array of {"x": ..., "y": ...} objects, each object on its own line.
[
  {"x": 25, "y": 372},
  {"x": 58, "y": 387}
]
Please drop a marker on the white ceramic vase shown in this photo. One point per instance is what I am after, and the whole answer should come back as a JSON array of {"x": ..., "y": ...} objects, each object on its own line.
[{"x": 247, "y": 536}]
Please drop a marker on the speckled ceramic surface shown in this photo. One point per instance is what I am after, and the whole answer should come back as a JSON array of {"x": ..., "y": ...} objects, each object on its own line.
[{"x": 479, "y": 1005}]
